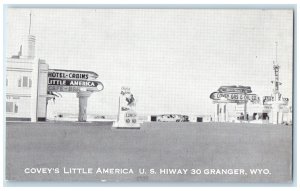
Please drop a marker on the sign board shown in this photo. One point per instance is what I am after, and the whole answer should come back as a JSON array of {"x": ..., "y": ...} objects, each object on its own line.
[
  {"x": 235, "y": 89},
  {"x": 74, "y": 89},
  {"x": 72, "y": 81},
  {"x": 127, "y": 101},
  {"x": 233, "y": 97},
  {"x": 229, "y": 101},
  {"x": 67, "y": 85},
  {"x": 127, "y": 117},
  {"x": 72, "y": 74},
  {"x": 81, "y": 83},
  {"x": 130, "y": 117},
  {"x": 267, "y": 100}
]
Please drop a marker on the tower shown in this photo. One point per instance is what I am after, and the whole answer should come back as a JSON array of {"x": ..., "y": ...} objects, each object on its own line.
[
  {"x": 29, "y": 49},
  {"x": 277, "y": 102},
  {"x": 276, "y": 67}
]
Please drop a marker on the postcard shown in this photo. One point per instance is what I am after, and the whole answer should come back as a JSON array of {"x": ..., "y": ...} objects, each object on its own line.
[{"x": 149, "y": 95}]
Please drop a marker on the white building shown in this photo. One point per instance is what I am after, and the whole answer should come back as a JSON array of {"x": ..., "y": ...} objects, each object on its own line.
[
  {"x": 256, "y": 113},
  {"x": 27, "y": 85},
  {"x": 26, "y": 93}
]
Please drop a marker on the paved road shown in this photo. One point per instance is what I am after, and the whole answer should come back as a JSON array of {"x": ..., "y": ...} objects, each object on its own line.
[{"x": 156, "y": 146}]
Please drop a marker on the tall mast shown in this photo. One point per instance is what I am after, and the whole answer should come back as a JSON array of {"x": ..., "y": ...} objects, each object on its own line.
[
  {"x": 276, "y": 44},
  {"x": 276, "y": 72},
  {"x": 29, "y": 22},
  {"x": 30, "y": 48}
]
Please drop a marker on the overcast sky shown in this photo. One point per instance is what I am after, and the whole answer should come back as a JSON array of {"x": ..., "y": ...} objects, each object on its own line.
[{"x": 171, "y": 59}]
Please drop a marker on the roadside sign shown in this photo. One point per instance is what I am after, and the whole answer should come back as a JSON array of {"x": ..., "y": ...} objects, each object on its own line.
[
  {"x": 71, "y": 74},
  {"x": 268, "y": 100},
  {"x": 235, "y": 89},
  {"x": 127, "y": 117},
  {"x": 72, "y": 81},
  {"x": 233, "y": 97}
]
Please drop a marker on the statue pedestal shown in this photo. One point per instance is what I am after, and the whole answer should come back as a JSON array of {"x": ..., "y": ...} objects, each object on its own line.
[{"x": 127, "y": 120}]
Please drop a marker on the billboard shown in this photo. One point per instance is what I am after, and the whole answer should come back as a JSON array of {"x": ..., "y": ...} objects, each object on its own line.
[
  {"x": 234, "y": 97},
  {"x": 72, "y": 74},
  {"x": 234, "y": 94},
  {"x": 127, "y": 117}
]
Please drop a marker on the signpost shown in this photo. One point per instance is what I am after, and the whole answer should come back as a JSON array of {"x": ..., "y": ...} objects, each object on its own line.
[
  {"x": 67, "y": 85},
  {"x": 234, "y": 94},
  {"x": 71, "y": 74},
  {"x": 74, "y": 81},
  {"x": 242, "y": 94},
  {"x": 276, "y": 99},
  {"x": 268, "y": 100},
  {"x": 127, "y": 117},
  {"x": 234, "y": 97},
  {"x": 235, "y": 89}
]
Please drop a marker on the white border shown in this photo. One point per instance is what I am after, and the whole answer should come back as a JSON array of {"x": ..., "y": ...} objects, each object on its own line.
[{"x": 128, "y": 2}]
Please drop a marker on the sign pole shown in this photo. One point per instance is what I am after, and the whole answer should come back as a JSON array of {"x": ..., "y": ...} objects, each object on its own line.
[{"x": 83, "y": 96}]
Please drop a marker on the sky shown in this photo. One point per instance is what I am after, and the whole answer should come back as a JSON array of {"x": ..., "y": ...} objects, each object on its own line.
[{"x": 172, "y": 59}]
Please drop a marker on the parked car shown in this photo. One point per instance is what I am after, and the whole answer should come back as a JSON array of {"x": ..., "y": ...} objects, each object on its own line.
[
  {"x": 169, "y": 118},
  {"x": 184, "y": 118}
]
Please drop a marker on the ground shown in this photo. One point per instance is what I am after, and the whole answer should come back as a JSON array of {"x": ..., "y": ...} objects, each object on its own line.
[{"x": 155, "y": 146}]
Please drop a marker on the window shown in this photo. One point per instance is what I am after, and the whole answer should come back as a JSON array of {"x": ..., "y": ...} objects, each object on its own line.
[
  {"x": 12, "y": 107},
  {"x": 24, "y": 81},
  {"x": 9, "y": 106},
  {"x": 19, "y": 82},
  {"x": 16, "y": 108}
]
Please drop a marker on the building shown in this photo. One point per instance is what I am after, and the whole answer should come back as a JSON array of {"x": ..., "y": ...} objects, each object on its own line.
[
  {"x": 256, "y": 113},
  {"x": 26, "y": 94},
  {"x": 239, "y": 104},
  {"x": 28, "y": 87}
]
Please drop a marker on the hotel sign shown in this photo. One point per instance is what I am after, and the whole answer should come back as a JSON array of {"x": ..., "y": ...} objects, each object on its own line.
[
  {"x": 73, "y": 81},
  {"x": 72, "y": 74}
]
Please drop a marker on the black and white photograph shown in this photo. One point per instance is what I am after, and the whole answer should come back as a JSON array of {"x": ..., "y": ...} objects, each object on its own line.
[{"x": 149, "y": 95}]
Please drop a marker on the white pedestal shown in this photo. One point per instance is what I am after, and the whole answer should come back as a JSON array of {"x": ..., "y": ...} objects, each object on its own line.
[{"x": 127, "y": 120}]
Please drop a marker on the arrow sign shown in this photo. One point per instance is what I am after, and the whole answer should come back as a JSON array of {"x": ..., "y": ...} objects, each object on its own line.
[
  {"x": 233, "y": 97},
  {"x": 72, "y": 74},
  {"x": 70, "y": 85},
  {"x": 235, "y": 89}
]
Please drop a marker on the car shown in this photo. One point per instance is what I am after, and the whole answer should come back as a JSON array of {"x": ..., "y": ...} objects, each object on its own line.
[
  {"x": 99, "y": 117},
  {"x": 184, "y": 118},
  {"x": 169, "y": 118}
]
